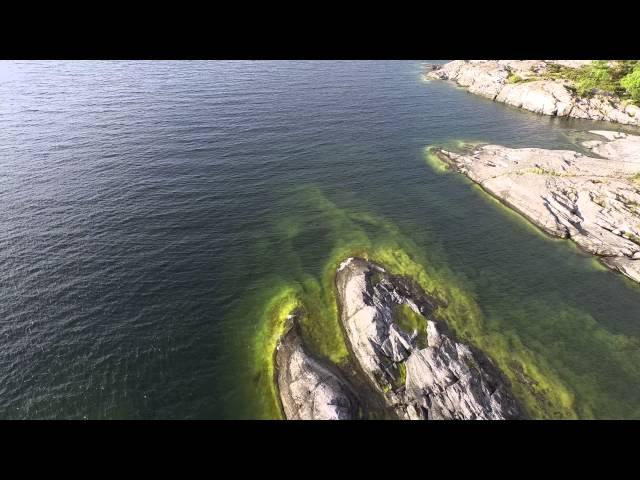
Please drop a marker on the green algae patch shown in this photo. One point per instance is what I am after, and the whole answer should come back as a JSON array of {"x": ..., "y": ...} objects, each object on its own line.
[
  {"x": 273, "y": 324},
  {"x": 596, "y": 264},
  {"x": 401, "y": 378},
  {"x": 456, "y": 146},
  {"x": 320, "y": 326},
  {"x": 432, "y": 159},
  {"x": 409, "y": 321}
]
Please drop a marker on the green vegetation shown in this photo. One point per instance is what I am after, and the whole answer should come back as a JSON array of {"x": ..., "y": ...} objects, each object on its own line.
[
  {"x": 402, "y": 375},
  {"x": 273, "y": 325},
  {"x": 409, "y": 321},
  {"x": 514, "y": 78},
  {"x": 617, "y": 77},
  {"x": 631, "y": 83},
  {"x": 455, "y": 145},
  {"x": 434, "y": 161}
]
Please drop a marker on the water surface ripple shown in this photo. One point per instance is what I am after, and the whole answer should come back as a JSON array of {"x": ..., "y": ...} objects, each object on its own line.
[{"x": 133, "y": 196}]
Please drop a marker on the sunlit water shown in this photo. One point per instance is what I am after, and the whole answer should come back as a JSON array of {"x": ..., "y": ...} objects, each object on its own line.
[{"x": 147, "y": 207}]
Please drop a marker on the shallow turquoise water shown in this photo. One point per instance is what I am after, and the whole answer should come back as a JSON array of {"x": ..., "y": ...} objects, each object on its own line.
[{"x": 148, "y": 210}]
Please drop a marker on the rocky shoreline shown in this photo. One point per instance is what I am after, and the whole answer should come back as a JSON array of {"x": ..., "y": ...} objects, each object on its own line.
[
  {"x": 592, "y": 200},
  {"x": 407, "y": 358},
  {"x": 405, "y": 363},
  {"x": 491, "y": 79}
]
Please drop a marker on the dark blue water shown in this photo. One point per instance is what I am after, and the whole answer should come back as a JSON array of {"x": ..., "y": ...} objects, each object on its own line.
[{"x": 141, "y": 203}]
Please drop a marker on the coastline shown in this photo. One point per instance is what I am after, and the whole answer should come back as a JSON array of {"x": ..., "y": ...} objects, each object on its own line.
[
  {"x": 527, "y": 84},
  {"x": 591, "y": 201},
  {"x": 544, "y": 384}
]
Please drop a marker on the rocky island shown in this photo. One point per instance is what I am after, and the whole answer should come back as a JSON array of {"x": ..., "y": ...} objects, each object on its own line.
[
  {"x": 593, "y": 200},
  {"x": 404, "y": 356},
  {"x": 547, "y": 87}
]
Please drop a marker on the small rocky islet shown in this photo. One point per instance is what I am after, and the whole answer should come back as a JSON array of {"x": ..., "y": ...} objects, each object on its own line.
[{"x": 408, "y": 365}]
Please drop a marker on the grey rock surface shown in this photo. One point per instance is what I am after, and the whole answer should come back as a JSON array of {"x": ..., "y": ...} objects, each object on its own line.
[{"x": 444, "y": 380}]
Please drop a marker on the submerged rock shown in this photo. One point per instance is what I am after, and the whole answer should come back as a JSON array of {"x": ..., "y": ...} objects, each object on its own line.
[
  {"x": 309, "y": 389},
  {"x": 490, "y": 78},
  {"x": 444, "y": 379},
  {"x": 593, "y": 201}
]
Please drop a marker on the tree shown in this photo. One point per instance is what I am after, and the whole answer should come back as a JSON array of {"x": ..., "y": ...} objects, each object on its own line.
[
  {"x": 594, "y": 76},
  {"x": 631, "y": 83}
]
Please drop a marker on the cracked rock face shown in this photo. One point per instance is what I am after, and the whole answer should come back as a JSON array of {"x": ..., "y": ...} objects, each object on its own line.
[
  {"x": 488, "y": 78},
  {"x": 593, "y": 201},
  {"x": 447, "y": 380},
  {"x": 444, "y": 379},
  {"x": 309, "y": 389}
]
